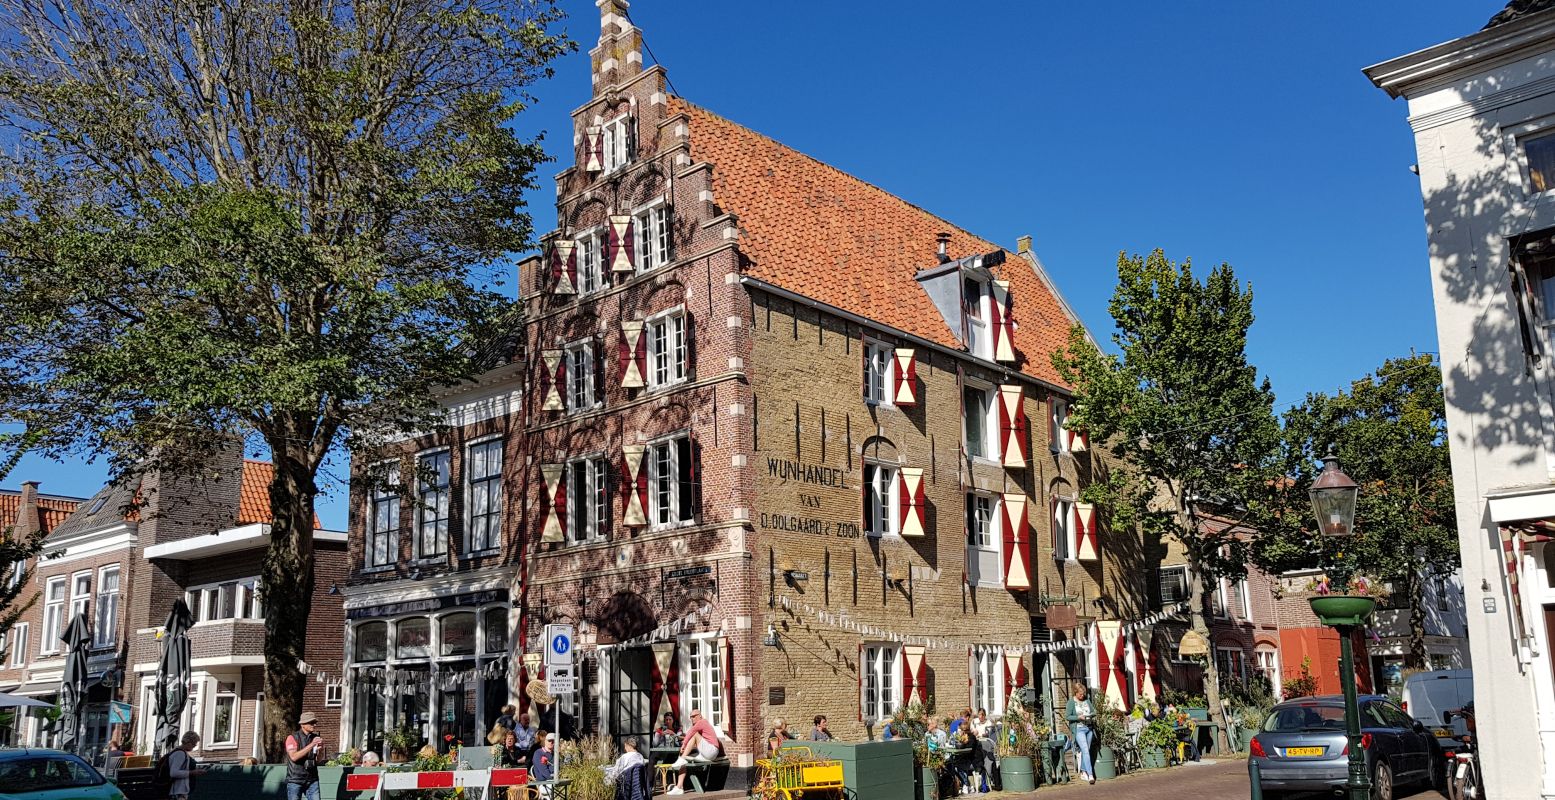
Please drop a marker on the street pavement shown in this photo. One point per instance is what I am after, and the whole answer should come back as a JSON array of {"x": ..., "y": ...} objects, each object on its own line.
[{"x": 1206, "y": 780}]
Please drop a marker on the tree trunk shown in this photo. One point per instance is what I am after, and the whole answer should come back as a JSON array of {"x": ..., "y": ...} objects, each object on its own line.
[
  {"x": 1414, "y": 657},
  {"x": 1211, "y": 668},
  {"x": 288, "y": 594}
]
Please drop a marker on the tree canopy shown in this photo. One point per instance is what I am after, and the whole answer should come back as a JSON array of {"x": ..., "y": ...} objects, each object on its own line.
[{"x": 259, "y": 222}]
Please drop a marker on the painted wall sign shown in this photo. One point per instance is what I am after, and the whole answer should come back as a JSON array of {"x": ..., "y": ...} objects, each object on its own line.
[
  {"x": 792, "y": 523},
  {"x": 787, "y": 470},
  {"x": 688, "y": 572}
]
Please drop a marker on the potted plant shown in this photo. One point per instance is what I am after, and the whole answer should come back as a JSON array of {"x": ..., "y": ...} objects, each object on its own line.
[
  {"x": 1248, "y": 720},
  {"x": 1111, "y": 727},
  {"x": 912, "y": 722},
  {"x": 1020, "y": 744},
  {"x": 1344, "y": 601},
  {"x": 1156, "y": 741},
  {"x": 400, "y": 742}
]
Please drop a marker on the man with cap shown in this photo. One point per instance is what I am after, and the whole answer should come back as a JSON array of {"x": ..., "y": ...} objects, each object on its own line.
[{"x": 303, "y": 748}]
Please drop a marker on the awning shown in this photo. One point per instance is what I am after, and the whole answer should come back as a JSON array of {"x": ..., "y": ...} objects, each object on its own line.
[
  {"x": 1515, "y": 539},
  {"x": 38, "y": 689}
]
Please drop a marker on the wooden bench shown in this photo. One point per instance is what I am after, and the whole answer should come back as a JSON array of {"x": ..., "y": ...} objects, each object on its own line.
[{"x": 696, "y": 765}]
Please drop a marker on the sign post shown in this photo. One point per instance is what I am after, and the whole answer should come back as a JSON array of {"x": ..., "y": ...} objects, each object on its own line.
[{"x": 558, "y": 668}]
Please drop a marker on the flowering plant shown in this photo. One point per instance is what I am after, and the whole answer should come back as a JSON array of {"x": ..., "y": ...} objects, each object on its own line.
[{"x": 1358, "y": 586}]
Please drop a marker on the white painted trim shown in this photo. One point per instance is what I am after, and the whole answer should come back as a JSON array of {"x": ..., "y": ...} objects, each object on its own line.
[
  {"x": 246, "y": 537},
  {"x": 87, "y": 547},
  {"x": 1538, "y": 504},
  {"x": 372, "y": 594}
]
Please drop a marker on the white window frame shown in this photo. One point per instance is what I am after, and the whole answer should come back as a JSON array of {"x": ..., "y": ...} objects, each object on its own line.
[
  {"x": 1187, "y": 590},
  {"x": 879, "y": 369},
  {"x": 1058, "y": 424},
  {"x": 664, "y": 496},
  {"x": 979, "y": 325},
  {"x": 702, "y": 684},
  {"x": 651, "y": 227},
  {"x": 334, "y": 694},
  {"x": 19, "y": 633},
  {"x": 668, "y": 358},
  {"x": 217, "y": 695},
  {"x": 993, "y": 534},
  {"x": 590, "y": 249},
  {"x": 53, "y": 615},
  {"x": 389, "y": 496},
  {"x": 422, "y": 493},
  {"x": 1065, "y": 537},
  {"x": 105, "y": 615},
  {"x": 490, "y": 522},
  {"x": 990, "y": 448},
  {"x": 614, "y": 142},
  {"x": 988, "y": 678},
  {"x": 581, "y": 395},
  {"x": 881, "y": 687},
  {"x": 14, "y": 577},
  {"x": 596, "y": 471},
  {"x": 80, "y": 597},
  {"x": 204, "y": 600},
  {"x": 885, "y": 509}
]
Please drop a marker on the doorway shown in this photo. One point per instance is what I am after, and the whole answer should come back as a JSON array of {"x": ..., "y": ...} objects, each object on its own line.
[{"x": 630, "y": 694}]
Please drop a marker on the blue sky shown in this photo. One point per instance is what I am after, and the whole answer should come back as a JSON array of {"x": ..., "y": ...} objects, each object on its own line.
[{"x": 1236, "y": 132}]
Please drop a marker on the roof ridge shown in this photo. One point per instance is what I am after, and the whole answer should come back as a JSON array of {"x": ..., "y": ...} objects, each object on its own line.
[{"x": 845, "y": 174}]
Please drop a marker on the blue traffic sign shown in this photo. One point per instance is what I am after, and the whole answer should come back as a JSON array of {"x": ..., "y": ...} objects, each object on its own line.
[
  {"x": 561, "y": 644},
  {"x": 558, "y": 645}
]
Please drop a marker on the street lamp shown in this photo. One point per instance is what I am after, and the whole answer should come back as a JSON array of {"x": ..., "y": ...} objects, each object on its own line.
[{"x": 1333, "y": 503}]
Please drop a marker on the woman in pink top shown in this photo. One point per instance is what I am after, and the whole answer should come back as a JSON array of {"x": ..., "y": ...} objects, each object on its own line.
[{"x": 701, "y": 744}]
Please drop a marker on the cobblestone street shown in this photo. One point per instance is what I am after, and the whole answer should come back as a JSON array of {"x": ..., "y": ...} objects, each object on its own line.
[{"x": 1202, "y": 781}]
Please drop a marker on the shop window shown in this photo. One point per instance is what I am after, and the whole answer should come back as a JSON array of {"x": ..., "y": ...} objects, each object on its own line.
[
  {"x": 106, "y": 628},
  {"x": 484, "y": 468},
  {"x": 495, "y": 621},
  {"x": 413, "y": 638},
  {"x": 882, "y": 690},
  {"x": 457, "y": 632},
  {"x": 432, "y": 511},
  {"x": 53, "y": 613},
  {"x": 383, "y": 522},
  {"x": 372, "y": 641},
  {"x": 653, "y": 237}
]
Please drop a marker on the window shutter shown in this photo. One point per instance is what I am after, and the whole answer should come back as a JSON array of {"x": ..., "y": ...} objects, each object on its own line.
[
  {"x": 1012, "y": 426},
  {"x": 634, "y": 480},
  {"x": 552, "y": 380},
  {"x": 694, "y": 475},
  {"x": 1055, "y": 525},
  {"x": 631, "y": 139},
  {"x": 1002, "y": 323},
  {"x": 597, "y": 350},
  {"x": 672, "y": 683},
  {"x": 1053, "y": 432},
  {"x": 658, "y": 684},
  {"x": 971, "y": 672},
  {"x": 1016, "y": 530},
  {"x": 556, "y": 500},
  {"x": 869, "y": 510},
  {"x": 691, "y": 346},
  {"x": 915, "y": 673},
  {"x": 621, "y": 246},
  {"x": 593, "y": 149},
  {"x": 914, "y": 516},
  {"x": 726, "y": 657},
  {"x": 904, "y": 379},
  {"x": 564, "y": 266},
  {"x": 1085, "y": 532},
  {"x": 863, "y": 361},
  {"x": 631, "y": 355}
]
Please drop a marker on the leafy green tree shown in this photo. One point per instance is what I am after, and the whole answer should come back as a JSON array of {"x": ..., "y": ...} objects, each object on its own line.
[
  {"x": 258, "y": 222},
  {"x": 16, "y": 554},
  {"x": 1390, "y": 434},
  {"x": 1184, "y": 414}
]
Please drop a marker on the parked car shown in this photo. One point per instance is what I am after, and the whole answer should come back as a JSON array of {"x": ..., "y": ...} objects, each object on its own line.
[
  {"x": 1427, "y": 695},
  {"x": 1301, "y": 747},
  {"x": 51, "y": 775}
]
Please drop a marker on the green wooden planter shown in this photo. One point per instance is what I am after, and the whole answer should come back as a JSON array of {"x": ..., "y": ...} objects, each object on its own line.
[
  {"x": 1105, "y": 763},
  {"x": 1017, "y": 774},
  {"x": 1342, "y": 609},
  {"x": 870, "y": 770},
  {"x": 928, "y": 784}
]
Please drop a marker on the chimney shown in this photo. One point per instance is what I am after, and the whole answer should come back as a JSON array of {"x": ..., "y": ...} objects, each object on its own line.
[
  {"x": 943, "y": 239},
  {"x": 1023, "y": 245},
  {"x": 619, "y": 55},
  {"x": 27, "y": 520}
]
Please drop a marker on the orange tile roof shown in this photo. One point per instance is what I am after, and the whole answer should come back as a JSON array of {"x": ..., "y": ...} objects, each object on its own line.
[
  {"x": 52, "y": 510},
  {"x": 812, "y": 229},
  {"x": 254, "y": 493}
]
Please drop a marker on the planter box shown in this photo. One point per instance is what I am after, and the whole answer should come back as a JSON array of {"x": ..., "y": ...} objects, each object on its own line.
[
  {"x": 1153, "y": 758},
  {"x": 1017, "y": 774},
  {"x": 1342, "y": 609},
  {"x": 1200, "y": 714},
  {"x": 870, "y": 770}
]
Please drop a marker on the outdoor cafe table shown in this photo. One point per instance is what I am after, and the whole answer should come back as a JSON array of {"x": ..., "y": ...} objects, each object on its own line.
[{"x": 658, "y": 757}]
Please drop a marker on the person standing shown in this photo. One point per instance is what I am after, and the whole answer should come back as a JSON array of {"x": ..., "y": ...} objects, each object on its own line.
[
  {"x": 303, "y": 748},
  {"x": 819, "y": 733},
  {"x": 181, "y": 767},
  {"x": 1081, "y": 714}
]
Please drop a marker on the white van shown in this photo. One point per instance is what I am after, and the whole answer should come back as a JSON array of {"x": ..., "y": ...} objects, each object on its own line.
[{"x": 1428, "y": 694}]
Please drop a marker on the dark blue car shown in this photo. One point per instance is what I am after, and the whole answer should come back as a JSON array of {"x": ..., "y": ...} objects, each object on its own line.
[{"x": 1301, "y": 747}]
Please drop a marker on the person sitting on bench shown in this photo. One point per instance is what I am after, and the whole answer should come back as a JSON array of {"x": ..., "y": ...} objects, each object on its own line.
[{"x": 701, "y": 745}]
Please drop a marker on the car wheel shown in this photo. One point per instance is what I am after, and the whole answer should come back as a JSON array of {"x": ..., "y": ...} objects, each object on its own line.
[
  {"x": 1382, "y": 782},
  {"x": 1438, "y": 779}
]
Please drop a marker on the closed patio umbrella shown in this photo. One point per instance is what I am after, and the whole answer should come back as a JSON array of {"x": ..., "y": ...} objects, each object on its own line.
[
  {"x": 72, "y": 685},
  {"x": 172, "y": 687},
  {"x": 16, "y": 700}
]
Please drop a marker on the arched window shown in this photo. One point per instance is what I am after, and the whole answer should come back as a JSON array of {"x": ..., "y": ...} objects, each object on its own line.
[
  {"x": 372, "y": 641},
  {"x": 457, "y": 634}
]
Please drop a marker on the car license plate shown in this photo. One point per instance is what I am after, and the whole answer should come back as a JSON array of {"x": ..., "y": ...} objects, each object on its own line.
[
  {"x": 1303, "y": 751},
  {"x": 1442, "y": 733}
]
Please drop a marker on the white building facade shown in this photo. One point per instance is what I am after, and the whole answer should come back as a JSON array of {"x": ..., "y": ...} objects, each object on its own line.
[{"x": 1483, "y": 112}]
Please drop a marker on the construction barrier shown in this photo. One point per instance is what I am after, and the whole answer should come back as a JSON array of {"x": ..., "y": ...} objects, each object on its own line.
[{"x": 380, "y": 783}]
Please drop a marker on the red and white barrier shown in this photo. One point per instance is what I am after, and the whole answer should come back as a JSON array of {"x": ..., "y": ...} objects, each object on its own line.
[{"x": 484, "y": 779}]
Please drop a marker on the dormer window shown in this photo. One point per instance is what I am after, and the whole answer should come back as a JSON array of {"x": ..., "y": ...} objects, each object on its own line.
[
  {"x": 620, "y": 144},
  {"x": 975, "y": 300}
]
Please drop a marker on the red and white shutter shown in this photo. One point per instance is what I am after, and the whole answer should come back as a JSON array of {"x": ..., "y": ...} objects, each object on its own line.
[
  {"x": 915, "y": 673},
  {"x": 1012, "y": 426},
  {"x": 1085, "y": 532},
  {"x": 594, "y": 149},
  {"x": 913, "y": 503},
  {"x": 632, "y": 355},
  {"x": 1014, "y": 673},
  {"x": 634, "y": 484},
  {"x": 1002, "y": 323},
  {"x": 1078, "y": 442},
  {"x": 726, "y": 663},
  {"x": 904, "y": 379},
  {"x": 620, "y": 249},
  {"x": 556, "y": 502},
  {"x": 658, "y": 687},
  {"x": 553, "y": 379},
  {"x": 1016, "y": 533},
  {"x": 564, "y": 266}
]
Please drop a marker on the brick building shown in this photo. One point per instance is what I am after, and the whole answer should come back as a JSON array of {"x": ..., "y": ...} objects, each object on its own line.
[
  {"x": 121, "y": 557},
  {"x": 794, "y": 451}
]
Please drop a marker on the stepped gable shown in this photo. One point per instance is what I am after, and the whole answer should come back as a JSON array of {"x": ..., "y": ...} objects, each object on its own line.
[{"x": 815, "y": 230}]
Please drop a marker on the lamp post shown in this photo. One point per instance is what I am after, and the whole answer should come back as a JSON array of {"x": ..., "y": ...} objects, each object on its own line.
[{"x": 1333, "y": 503}]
